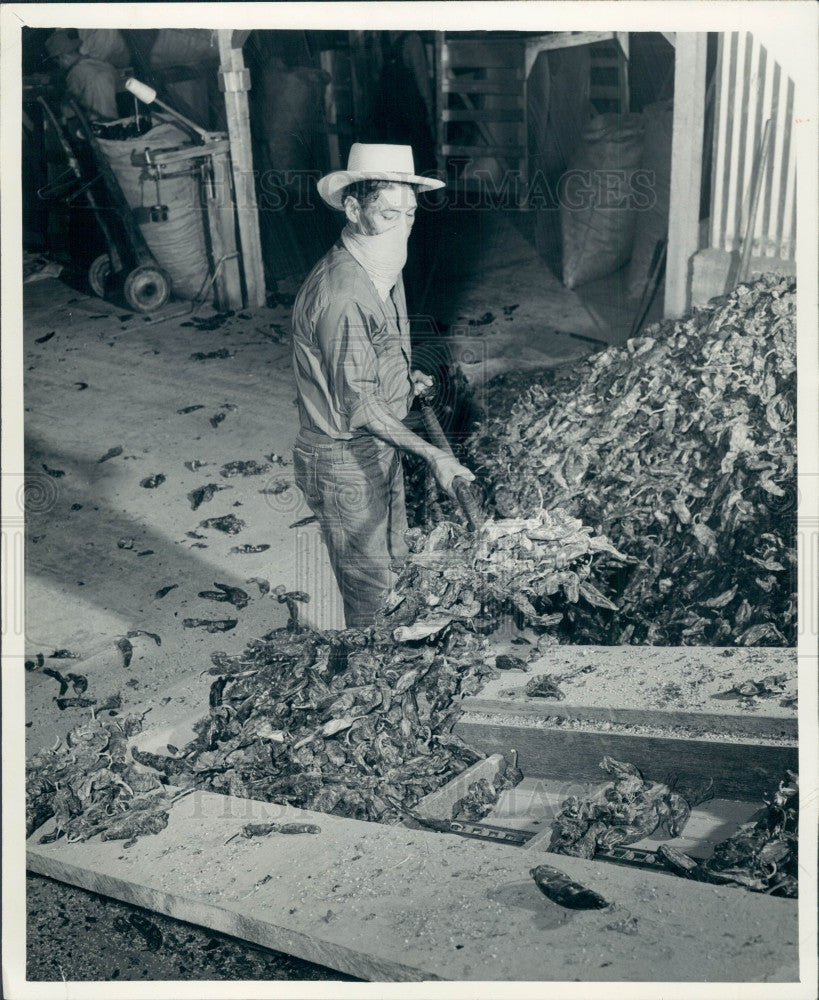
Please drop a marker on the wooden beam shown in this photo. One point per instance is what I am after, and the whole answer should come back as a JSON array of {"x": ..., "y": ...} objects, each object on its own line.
[
  {"x": 222, "y": 225},
  {"x": 360, "y": 79},
  {"x": 483, "y": 114},
  {"x": 562, "y": 40},
  {"x": 747, "y": 727},
  {"x": 670, "y": 688},
  {"x": 235, "y": 82},
  {"x": 170, "y": 157},
  {"x": 387, "y": 903},
  {"x": 744, "y": 770},
  {"x": 505, "y": 151},
  {"x": 512, "y": 86},
  {"x": 686, "y": 169}
]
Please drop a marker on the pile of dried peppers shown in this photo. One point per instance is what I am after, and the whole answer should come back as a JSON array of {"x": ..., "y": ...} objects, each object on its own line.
[{"x": 681, "y": 448}]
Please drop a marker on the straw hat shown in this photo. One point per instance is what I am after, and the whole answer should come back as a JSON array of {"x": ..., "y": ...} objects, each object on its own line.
[{"x": 374, "y": 161}]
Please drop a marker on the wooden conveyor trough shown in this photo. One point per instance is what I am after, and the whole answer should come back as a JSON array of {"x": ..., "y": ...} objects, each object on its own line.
[{"x": 389, "y": 903}]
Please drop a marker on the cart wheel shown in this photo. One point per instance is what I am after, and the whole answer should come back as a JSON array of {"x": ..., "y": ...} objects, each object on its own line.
[
  {"x": 98, "y": 274},
  {"x": 147, "y": 288}
]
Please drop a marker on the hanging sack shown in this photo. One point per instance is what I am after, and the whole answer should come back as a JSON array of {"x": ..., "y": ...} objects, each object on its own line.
[{"x": 597, "y": 208}]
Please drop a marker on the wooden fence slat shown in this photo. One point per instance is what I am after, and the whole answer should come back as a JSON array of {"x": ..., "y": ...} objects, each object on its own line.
[
  {"x": 481, "y": 87},
  {"x": 786, "y": 231},
  {"x": 483, "y": 115},
  {"x": 505, "y": 151},
  {"x": 751, "y": 88}
]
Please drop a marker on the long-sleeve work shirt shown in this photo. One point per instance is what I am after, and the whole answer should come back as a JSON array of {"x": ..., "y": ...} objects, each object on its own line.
[{"x": 351, "y": 350}]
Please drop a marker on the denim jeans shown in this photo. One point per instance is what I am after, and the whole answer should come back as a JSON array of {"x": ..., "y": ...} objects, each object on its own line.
[{"x": 356, "y": 490}]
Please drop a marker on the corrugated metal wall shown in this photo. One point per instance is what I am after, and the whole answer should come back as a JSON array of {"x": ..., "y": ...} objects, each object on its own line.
[{"x": 751, "y": 87}]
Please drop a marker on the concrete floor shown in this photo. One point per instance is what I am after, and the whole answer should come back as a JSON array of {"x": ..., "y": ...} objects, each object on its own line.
[
  {"x": 100, "y": 546},
  {"x": 486, "y": 261}
]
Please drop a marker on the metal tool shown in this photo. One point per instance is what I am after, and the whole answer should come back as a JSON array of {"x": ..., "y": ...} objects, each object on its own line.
[
  {"x": 632, "y": 857},
  {"x": 158, "y": 211},
  {"x": 484, "y": 831},
  {"x": 148, "y": 96},
  {"x": 460, "y": 486}
]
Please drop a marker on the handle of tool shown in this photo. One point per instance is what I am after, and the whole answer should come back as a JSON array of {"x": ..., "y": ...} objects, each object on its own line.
[
  {"x": 147, "y": 95},
  {"x": 433, "y": 427},
  {"x": 73, "y": 163},
  {"x": 136, "y": 240},
  {"x": 469, "y": 505},
  {"x": 460, "y": 486},
  {"x": 69, "y": 152},
  {"x": 652, "y": 284},
  {"x": 759, "y": 176}
]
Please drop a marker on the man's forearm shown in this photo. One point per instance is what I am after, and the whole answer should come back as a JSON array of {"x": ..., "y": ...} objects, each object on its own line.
[{"x": 390, "y": 429}]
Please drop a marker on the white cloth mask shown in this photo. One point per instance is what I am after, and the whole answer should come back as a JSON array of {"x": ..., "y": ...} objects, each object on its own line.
[{"x": 382, "y": 255}]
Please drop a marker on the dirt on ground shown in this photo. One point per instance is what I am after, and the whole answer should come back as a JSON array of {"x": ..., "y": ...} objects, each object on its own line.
[{"x": 92, "y": 938}]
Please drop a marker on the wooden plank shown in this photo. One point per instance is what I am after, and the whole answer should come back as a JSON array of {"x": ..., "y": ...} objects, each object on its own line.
[
  {"x": 169, "y": 157},
  {"x": 686, "y": 168},
  {"x": 563, "y": 40},
  {"x": 438, "y": 804},
  {"x": 480, "y": 87},
  {"x": 749, "y": 726},
  {"x": 391, "y": 904},
  {"x": 486, "y": 134},
  {"x": 506, "y": 151},
  {"x": 484, "y": 54},
  {"x": 483, "y": 115},
  {"x": 222, "y": 222},
  {"x": 232, "y": 67},
  {"x": 666, "y": 686},
  {"x": 738, "y": 769},
  {"x": 487, "y": 75}
]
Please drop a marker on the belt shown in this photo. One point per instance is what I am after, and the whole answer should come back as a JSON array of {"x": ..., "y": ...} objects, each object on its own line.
[{"x": 315, "y": 439}]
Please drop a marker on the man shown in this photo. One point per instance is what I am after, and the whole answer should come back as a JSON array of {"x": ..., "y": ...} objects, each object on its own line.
[
  {"x": 351, "y": 356},
  {"x": 92, "y": 82}
]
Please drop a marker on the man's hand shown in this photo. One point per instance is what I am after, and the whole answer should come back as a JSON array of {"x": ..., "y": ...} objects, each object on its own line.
[
  {"x": 421, "y": 382},
  {"x": 446, "y": 468}
]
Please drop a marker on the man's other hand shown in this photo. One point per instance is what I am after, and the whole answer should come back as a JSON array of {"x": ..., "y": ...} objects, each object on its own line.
[{"x": 421, "y": 382}]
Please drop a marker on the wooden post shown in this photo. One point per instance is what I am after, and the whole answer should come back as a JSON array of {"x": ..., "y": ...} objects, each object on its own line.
[
  {"x": 234, "y": 80},
  {"x": 359, "y": 72},
  {"x": 222, "y": 222},
  {"x": 686, "y": 168},
  {"x": 622, "y": 72}
]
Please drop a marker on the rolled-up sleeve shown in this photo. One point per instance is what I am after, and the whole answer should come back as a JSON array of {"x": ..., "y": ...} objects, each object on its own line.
[{"x": 344, "y": 336}]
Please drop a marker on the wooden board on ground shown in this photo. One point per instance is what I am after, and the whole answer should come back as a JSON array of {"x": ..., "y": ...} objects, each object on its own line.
[
  {"x": 667, "y": 686},
  {"x": 391, "y": 904}
]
